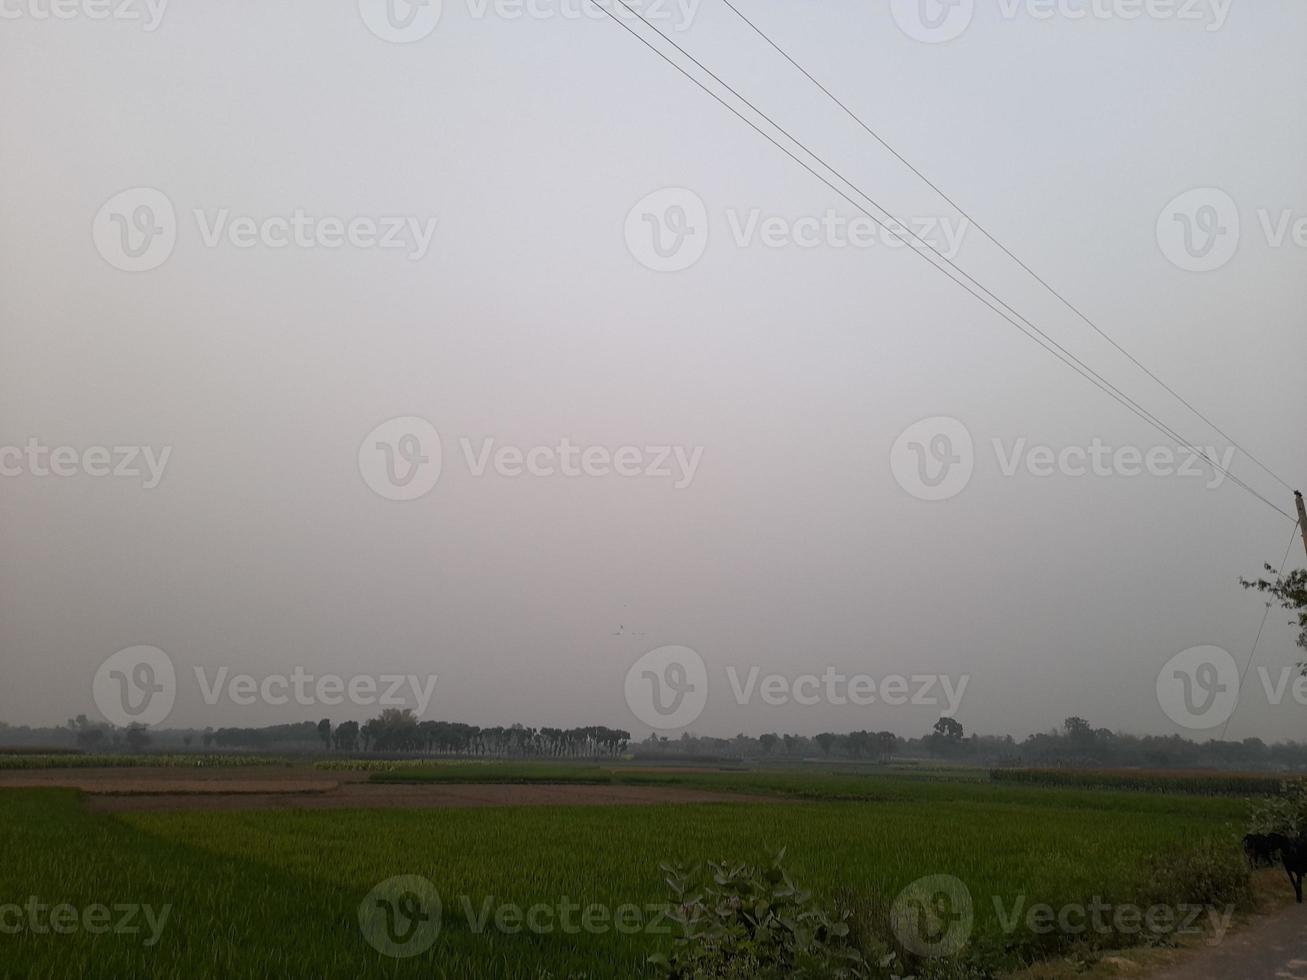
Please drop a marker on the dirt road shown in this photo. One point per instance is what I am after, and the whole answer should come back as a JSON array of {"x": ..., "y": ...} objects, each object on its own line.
[{"x": 1272, "y": 949}]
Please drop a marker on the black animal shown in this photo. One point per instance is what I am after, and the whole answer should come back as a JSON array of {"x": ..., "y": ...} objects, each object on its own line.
[
  {"x": 1293, "y": 855},
  {"x": 1260, "y": 850}
]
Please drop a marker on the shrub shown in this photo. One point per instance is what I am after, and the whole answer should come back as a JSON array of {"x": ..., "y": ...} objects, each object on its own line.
[
  {"x": 1210, "y": 873},
  {"x": 743, "y": 922}
]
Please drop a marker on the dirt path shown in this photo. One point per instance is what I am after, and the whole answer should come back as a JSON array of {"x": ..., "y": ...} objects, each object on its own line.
[{"x": 1272, "y": 949}]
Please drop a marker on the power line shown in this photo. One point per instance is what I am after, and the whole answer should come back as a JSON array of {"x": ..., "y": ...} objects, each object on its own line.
[
  {"x": 1265, "y": 616},
  {"x": 991, "y": 300},
  {"x": 1008, "y": 252},
  {"x": 1114, "y": 391},
  {"x": 1102, "y": 382}
]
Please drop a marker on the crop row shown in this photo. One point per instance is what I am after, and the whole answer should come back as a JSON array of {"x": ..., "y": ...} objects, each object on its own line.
[{"x": 1155, "y": 781}]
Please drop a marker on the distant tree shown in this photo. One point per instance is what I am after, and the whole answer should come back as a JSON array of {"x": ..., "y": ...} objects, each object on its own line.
[
  {"x": 886, "y": 743},
  {"x": 347, "y": 736},
  {"x": 949, "y": 729},
  {"x": 324, "y": 731},
  {"x": 946, "y": 736},
  {"x": 394, "y": 730},
  {"x": 859, "y": 743},
  {"x": 187, "y": 739},
  {"x": 1078, "y": 728},
  {"x": 137, "y": 736},
  {"x": 825, "y": 741},
  {"x": 768, "y": 742},
  {"x": 88, "y": 734}
]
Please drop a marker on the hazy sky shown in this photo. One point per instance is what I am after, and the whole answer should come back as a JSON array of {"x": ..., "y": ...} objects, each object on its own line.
[{"x": 530, "y": 316}]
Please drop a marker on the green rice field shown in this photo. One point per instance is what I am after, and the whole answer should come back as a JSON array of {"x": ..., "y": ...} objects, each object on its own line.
[{"x": 278, "y": 893}]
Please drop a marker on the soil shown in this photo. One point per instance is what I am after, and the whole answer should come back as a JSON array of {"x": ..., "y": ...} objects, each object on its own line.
[{"x": 117, "y": 790}]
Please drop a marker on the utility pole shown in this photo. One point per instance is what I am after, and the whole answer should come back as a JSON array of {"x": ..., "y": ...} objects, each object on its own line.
[{"x": 1302, "y": 517}]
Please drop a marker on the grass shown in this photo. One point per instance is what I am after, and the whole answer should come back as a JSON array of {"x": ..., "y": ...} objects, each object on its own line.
[
  {"x": 276, "y": 893},
  {"x": 1149, "y": 780},
  {"x": 815, "y": 785}
]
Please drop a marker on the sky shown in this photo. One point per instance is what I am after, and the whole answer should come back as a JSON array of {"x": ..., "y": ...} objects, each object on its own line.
[{"x": 474, "y": 340}]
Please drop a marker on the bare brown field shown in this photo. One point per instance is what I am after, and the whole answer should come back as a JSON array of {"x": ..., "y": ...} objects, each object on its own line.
[
  {"x": 160, "y": 780},
  {"x": 119, "y": 790}
]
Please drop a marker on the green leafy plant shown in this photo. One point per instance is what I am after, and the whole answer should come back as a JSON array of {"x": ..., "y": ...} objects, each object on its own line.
[
  {"x": 1290, "y": 591},
  {"x": 1283, "y": 814},
  {"x": 739, "y": 921}
]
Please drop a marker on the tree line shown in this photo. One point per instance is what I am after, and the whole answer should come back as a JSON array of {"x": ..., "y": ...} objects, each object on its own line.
[
  {"x": 394, "y": 730},
  {"x": 1076, "y": 744},
  {"x": 399, "y": 730}
]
